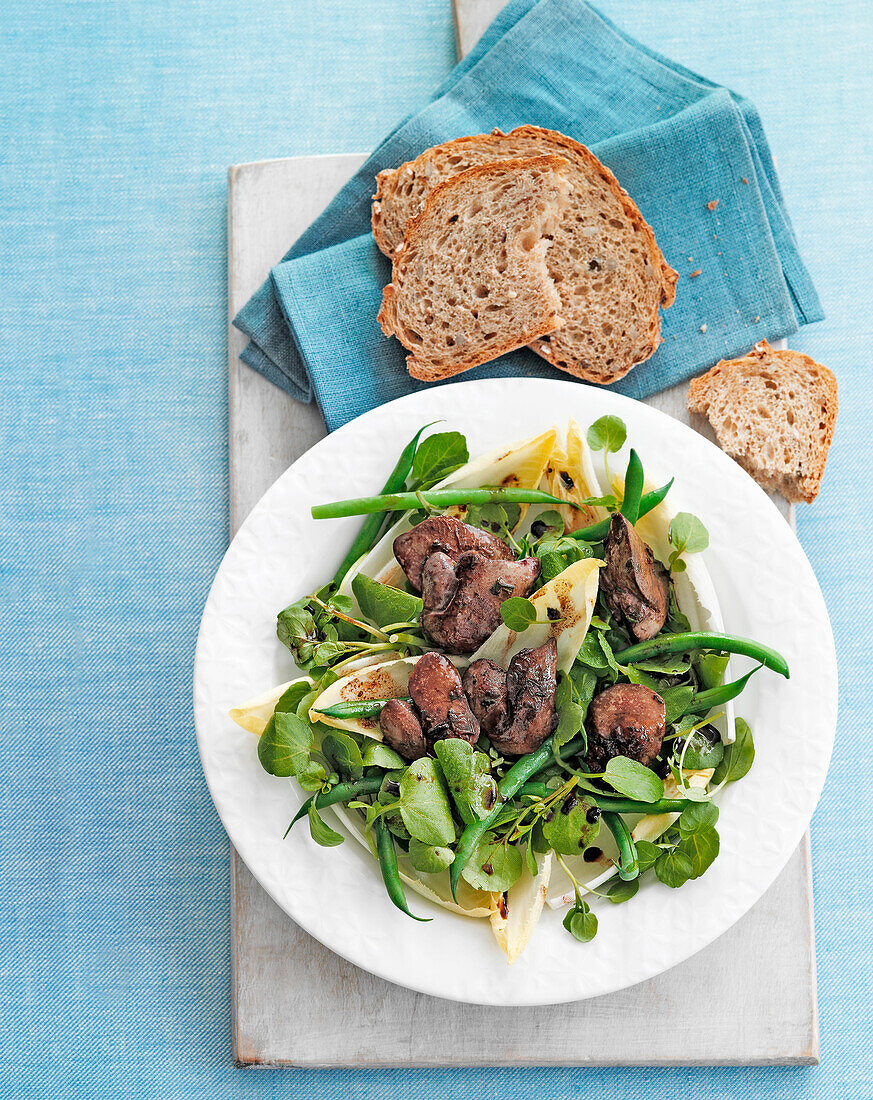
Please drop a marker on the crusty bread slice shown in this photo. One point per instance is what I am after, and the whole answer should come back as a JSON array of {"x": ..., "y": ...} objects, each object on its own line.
[
  {"x": 469, "y": 280},
  {"x": 609, "y": 271},
  {"x": 774, "y": 412}
]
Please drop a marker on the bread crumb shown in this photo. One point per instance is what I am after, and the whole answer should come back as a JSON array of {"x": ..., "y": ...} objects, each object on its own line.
[
  {"x": 703, "y": 328},
  {"x": 691, "y": 259},
  {"x": 712, "y": 205},
  {"x": 694, "y": 274},
  {"x": 745, "y": 181},
  {"x": 758, "y": 318}
]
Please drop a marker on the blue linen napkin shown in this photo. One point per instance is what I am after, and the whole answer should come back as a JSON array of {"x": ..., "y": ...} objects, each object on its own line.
[{"x": 677, "y": 143}]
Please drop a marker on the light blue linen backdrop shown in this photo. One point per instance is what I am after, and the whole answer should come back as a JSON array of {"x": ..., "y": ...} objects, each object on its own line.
[{"x": 118, "y": 121}]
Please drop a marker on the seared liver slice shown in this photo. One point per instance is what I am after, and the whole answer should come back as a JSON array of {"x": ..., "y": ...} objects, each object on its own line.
[
  {"x": 634, "y": 584},
  {"x": 449, "y": 536},
  {"x": 625, "y": 720},
  {"x": 402, "y": 730},
  {"x": 435, "y": 687}
]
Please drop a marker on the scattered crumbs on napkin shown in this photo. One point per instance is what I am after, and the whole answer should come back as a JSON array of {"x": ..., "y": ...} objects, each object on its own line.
[{"x": 712, "y": 205}]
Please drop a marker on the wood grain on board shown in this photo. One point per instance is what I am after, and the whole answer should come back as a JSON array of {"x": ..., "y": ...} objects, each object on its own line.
[{"x": 750, "y": 998}]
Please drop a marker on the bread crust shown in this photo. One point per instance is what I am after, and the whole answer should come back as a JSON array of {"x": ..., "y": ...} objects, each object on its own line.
[
  {"x": 726, "y": 379},
  {"x": 390, "y": 182},
  {"x": 388, "y": 313}
]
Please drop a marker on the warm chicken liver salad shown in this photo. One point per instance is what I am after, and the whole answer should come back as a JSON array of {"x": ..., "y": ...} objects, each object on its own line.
[{"x": 515, "y": 691}]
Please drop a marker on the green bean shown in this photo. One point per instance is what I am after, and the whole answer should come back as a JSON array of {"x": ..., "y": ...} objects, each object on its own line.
[
  {"x": 369, "y": 534},
  {"x": 703, "y": 701},
  {"x": 704, "y": 639},
  {"x": 365, "y": 708},
  {"x": 596, "y": 532},
  {"x": 437, "y": 498},
  {"x": 633, "y": 488},
  {"x": 341, "y": 792},
  {"x": 613, "y": 803},
  {"x": 387, "y": 855},
  {"x": 628, "y": 864},
  {"x": 521, "y": 771}
]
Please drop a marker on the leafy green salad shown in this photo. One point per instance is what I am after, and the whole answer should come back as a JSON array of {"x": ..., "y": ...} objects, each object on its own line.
[{"x": 515, "y": 691}]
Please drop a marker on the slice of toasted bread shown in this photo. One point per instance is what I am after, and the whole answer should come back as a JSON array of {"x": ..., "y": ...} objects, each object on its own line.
[
  {"x": 774, "y": 412},
  {"x": 469, "y": 280},
  {"x": 604, "y": 260}
]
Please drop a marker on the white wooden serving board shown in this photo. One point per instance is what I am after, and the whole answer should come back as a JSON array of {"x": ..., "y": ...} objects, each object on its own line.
[{"x": 750, "y": 998}]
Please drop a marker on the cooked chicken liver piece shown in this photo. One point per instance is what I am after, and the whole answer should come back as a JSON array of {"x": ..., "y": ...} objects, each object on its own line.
[
  {"x": 516, "y": 708},
  {"x": 635, "y": 585},
  {"x": 531, "y": 680},
  {"x": 485, "y": 686},
  {"x": 439, "y": 581},
  {"x": 473, "y": 614},
  {"x": 449, "y": 536},
  {"x": 402, "y": 730},
  {"x": 625, "y": 720},
  {"x": 435, "y": 687}
]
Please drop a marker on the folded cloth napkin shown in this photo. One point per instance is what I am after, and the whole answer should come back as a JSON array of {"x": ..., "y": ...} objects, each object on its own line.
[{"x": 691, "y": 154}]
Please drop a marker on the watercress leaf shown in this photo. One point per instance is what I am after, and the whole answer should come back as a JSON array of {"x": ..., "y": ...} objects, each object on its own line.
[
  {"x": 384, "y": 605},
  {"x": 590, "y": 652},
  {"x": 494, "y": 865},
  {"x": 321, "y": 832},
  {"x": 284, "y": 747},
  {"x": 700, "y": 848},
  {"x": 424, "y": 803},
  {"x": 677, "y": 620},
  {"x": 695, "y": 794},
  {"x": 711, "y": 668},
  {"x": 738, "y": 757},
  {"x": 584, "y": 684},
  {"x": 344, "y": 754},
  {"x": 312, "y": 776},
  {"x": 606, "y": 650},
  {"x": 381, "y": 756},
  {"x": 647, "y": 855},
  {"x": 518, "y": 613},
  {"x": 701, "y": 752},
  {"x": 429, "y": 858},
  {"x": 559, "y": 554},
  {"x": 698, "y": 817},
  {"x": 581, "y": 923},
  {"x": 637, "y": 676},
  {"x": 687, "y": 534},
  {"x": 530, "y": 859},
  {"x": 569, "y": 829},
  {"x": 325, "y": 652},
  {"x": 548, "y": 525},
  {"x": 677, "y": 700},
  {"x": 619, "y": 890},
  {"x": 608, "y": 433},
  {"x": 438, "y": 456},
  {"x": 288, "y": 702},
  {"x": 342, "y": 603},
  {"x": 295, "y": 626},
  {"x": 570, "y": 719},
  {"x": 499, "y": 519},
  {"x": 633, "y": 779},
  {"x": 674, "y": 868},
  {"x": 467, "y": 774},
  {"x": 672, "y": 665}
]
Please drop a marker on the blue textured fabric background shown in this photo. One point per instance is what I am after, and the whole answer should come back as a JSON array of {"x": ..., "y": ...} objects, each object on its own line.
[
  {"x": 118, "y": 121},
  {"x": 674, "y": 139}
]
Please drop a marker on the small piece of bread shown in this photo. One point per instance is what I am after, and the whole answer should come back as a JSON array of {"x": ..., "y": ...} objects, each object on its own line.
[
  {"x": 774, "y": 412},
  {"x": 469, "y": 280},
  {"x": 608, "y": 269}
]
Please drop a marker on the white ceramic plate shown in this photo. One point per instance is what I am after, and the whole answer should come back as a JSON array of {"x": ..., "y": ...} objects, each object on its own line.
[{"x": 767, "y": 590}]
